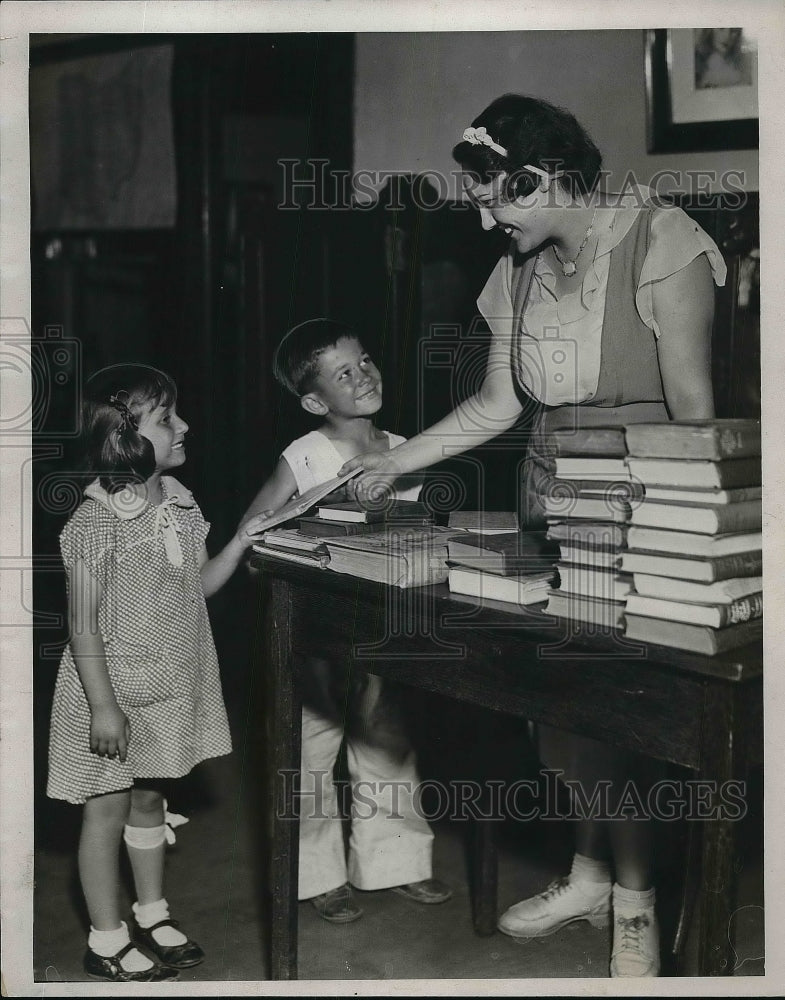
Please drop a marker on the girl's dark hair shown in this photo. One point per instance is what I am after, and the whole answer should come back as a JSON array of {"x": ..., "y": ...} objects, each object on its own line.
[
  {"x": 535, "y": 132},
  {"x": 112, "y": 447},
  {"x": 296, "y": 358}
]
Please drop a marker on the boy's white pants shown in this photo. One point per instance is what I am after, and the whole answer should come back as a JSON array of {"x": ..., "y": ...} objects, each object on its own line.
[{"x": 389, "y": 843}]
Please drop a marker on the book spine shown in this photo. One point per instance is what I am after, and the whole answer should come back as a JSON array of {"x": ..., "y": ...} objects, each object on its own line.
[
  {"x": 703, "y": 497},
  {"x": 743, "y": 610},
  {"x": 602, "y": 536},
  {"x": 739, "y": 564},
  {"x": 696, "y": 474},
  {"x": 738, "y": 517},
  {"x": 708, "y": 570},
  {"x": 603, "y": 442}
]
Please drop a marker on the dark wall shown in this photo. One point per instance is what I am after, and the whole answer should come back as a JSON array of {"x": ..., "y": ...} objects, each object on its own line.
[{"x": 205, "y": 298}]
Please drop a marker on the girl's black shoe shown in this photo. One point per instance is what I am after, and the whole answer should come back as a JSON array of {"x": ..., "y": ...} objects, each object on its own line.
[
  {"x": 111, "y": 969},
  {"x": 176, "y": 956}
]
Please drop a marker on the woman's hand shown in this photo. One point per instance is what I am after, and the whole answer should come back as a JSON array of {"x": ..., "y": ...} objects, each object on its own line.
[
  {"x": 374, "y": 487},
  {"x": 110, "y": 731},
  {"x": 251, "y": 530}
]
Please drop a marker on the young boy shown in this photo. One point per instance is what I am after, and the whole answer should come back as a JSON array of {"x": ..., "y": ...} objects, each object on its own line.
[{"x": 324, "y": 364}]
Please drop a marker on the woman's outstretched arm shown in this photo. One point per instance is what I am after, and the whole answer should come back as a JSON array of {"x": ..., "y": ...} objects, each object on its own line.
[{"x": 483, "y": 416}]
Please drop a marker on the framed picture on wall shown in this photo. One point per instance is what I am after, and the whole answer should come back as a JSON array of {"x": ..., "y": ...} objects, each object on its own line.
[
  {"x": 102, "y": 135},
  {"x": 701, "y": 89}
]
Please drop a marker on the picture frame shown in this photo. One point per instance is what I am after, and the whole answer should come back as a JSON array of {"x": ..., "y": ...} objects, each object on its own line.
[{"x": 701, "y": 89}]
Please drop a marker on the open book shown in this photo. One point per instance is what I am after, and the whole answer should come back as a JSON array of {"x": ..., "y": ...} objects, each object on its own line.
[{"x": 300, "y": 504}]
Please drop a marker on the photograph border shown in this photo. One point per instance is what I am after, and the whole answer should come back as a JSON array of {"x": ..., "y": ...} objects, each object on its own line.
[{"x": 16, "y": 825}]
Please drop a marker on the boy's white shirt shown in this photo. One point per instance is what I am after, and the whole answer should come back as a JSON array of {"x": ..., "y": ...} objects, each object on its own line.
[{"x": 314, "y": 459}]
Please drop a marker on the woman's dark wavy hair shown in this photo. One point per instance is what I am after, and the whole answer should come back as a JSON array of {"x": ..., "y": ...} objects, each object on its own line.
[
  {"x": 112, "y": 447},
  {"x": 532, "y": 131}
]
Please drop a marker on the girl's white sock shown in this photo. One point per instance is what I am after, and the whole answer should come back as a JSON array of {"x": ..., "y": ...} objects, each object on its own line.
[
  {"x": 588, "y": 870},
  {"x": 630, "y": 902},
  {"x": 151, "y": 913},
  {"x": 108, "y": 943}
]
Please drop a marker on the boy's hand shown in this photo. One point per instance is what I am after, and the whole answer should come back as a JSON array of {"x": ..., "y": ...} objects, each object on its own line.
[
  {"x": 251, "y": 530},
  {"x": 110, "y": 732}
]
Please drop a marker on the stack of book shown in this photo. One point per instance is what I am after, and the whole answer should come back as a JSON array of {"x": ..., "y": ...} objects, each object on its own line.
[
  {"x": 588, "y": 506},
  {"x": 512, "y": 566},
  {"x": 293, "y": 546},
  {"x": 409, "y": 556},
  {"x": 351, "y": 519},
  {"x": 695, "y": 542}
]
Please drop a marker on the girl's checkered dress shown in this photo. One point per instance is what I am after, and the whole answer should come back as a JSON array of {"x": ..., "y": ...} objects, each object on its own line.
[{"x": 159, "y": 647}]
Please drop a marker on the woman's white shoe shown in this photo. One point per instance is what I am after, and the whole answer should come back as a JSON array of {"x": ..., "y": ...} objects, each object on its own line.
[
  {"x": 563, "y": 902},
  {"x": 636, "y": 945}
]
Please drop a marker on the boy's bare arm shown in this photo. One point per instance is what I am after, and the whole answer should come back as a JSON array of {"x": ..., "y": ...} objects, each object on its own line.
[{"x": 279, "y": 488}]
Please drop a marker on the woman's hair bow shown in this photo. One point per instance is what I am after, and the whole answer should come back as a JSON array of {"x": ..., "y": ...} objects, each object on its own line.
[{"x": 479, "y": 137}]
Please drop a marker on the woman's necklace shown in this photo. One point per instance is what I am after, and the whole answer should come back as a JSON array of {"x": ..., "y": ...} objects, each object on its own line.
[{"x": 569, "y": 267}]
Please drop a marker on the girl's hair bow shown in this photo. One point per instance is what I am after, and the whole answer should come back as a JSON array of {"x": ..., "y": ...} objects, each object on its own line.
[{"x": 127, "y": 419}]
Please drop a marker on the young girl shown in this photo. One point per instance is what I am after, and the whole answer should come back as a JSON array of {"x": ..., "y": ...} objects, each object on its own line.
[{"x": 138, "y": 693}]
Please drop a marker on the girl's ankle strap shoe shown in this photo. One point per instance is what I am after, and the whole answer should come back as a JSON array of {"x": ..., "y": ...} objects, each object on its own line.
[
  {"x": 111, "y": 969},
  {"x": 176, "y": 956}
]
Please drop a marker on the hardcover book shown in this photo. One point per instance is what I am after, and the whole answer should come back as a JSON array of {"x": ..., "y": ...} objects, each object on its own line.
[
  {"x": 300, "y": 504},
  {"x": 700, "y": 439},
  {"x": 598, "y": 584},
  {"x": 268, "y": 552},
  {"x": 721, "y": 592},
  {"x": 606, "y": 469},
  {"x": 713, "y": 615},
  {"x": 686, "y": 543},
  {"x": 589, "y": 441},
  {"x": 590, "y": 508},
  {"x": 405, "y": 557},
  {"x": 703, "y": 496},
  {"x": 597, "y": 535},
  {"x": 485, "y": 521},
  {"x": 503, "y": 554},
  {"x": 319, "y": 527},
  {"x": 511, "y": 589},
  {"x": 701, "y": 569},
  {"x": 397, "y": 510},
  {"x": 695, "y": 638},
  {"x": 728, "y": 474},
  {"x": 292, "y": 539},
  {"x": 735, "y": 517},
  {"x": 578, "y": 555},
  {"x": 608, "y": 614}
]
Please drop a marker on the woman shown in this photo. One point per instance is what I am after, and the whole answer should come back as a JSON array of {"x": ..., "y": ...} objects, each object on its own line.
[
  {"x": 720, "y": 58},
  {"x": 600, "y": 313}
]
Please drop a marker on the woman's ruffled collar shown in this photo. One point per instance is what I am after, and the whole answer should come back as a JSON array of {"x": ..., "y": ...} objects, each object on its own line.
[
  {"x": 127, "y": 504},
  {"x": 613, "y": 223}
]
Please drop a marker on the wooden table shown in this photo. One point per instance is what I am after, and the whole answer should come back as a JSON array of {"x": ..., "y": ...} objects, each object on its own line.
[{"x": 701, "y": 712}]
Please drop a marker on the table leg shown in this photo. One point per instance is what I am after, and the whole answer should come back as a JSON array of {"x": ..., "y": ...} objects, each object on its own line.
[
  {"x": 285, "y": 762},
  {"x": 485, "y": 878},
  {"x": 723, "y": 760}
]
